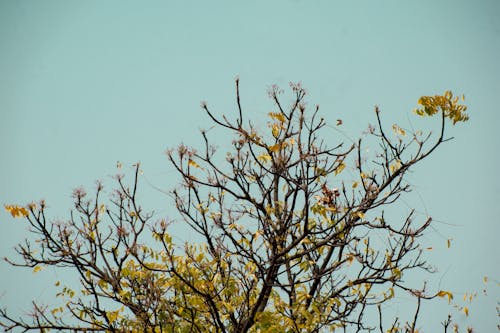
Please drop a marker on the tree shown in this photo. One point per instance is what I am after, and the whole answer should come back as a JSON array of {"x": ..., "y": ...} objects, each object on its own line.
[{"x": 286, "y": 239}]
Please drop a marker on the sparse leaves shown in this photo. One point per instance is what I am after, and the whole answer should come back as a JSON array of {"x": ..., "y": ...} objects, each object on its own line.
[{"x": 281, "y": 234}]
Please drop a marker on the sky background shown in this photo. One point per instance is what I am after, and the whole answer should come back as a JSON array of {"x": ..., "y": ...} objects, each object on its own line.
[{"x": 84, "y": 84}]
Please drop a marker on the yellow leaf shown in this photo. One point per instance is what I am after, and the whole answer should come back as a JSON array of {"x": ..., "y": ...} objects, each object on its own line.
[
  {"x": 466, "y": 311},
  {"x": 444, "y": 293},
  {"x": 202, "y": 209},
  {"x": 448, "y": 242},
  {"x": 16, "y": 211},
  {"x": 275, "y": 148},
  {"x": 276, "y": 130},
  {"x": 485, "y": 279},
  {"x": 113, "y": 315},
  {"x": 339, "y": 168},
  {"x": 37, "y": 269},
  {"x": 398, "y": 130},
  {"x": 257, "y": 234},
  {"x": 277, "y": 116},
  {"x": 396, "y": 273},
  {"x": 336, "y": 301},
  {"x": 56, "y": 310},
  {"x": 264, "y": 158},
  {"x": 355, "y": 184},
  {"x": 394, "y": 167},
  {"x": 391, "y": 293},
  {"x": 193, "y": 163}
]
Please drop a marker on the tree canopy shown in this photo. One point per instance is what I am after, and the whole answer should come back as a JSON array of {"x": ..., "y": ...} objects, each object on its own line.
[{"x": 287, "y": 239}]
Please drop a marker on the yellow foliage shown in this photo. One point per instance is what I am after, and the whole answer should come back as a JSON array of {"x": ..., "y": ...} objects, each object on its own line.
[
  {"x": 202, "y": 208},
  {"x": 449, "y": 105},
  {"x": 277, "y": 116},
  {"x": 396, "y": 166},
  {"x": 114, "y": 315},
  {"x": 275, "y": 130},
  {"x": 398, "y": 130},
  {"x": 193, "y": 163},
  {"x": 275, "y": 148},
  {"x": 339, "y": 168},
  {"x": 444, "y": 293},
  {"x": 37, "y": 268},
  {"x": 56, "y": 310},
  {"x": 361, "y": 215},
  {"x": 264, "y": 158},
  {"x": 390, "y": 294},
  {"x": 466, "y": 311},
  {"x": 16, "y": 211},
  {"x": 396, "y": 273},
  {"x": 200, "y": 274}
]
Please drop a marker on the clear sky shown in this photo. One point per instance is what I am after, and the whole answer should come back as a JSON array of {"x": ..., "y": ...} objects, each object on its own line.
[{"x": 84, "y": 84}]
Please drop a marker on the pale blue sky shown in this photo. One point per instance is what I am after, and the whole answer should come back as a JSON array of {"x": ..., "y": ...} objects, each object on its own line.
[{"x": 86, "y": 83}]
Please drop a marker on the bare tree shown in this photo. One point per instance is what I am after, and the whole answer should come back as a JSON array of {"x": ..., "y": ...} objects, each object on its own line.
[{"x": 286, "y": 239}]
